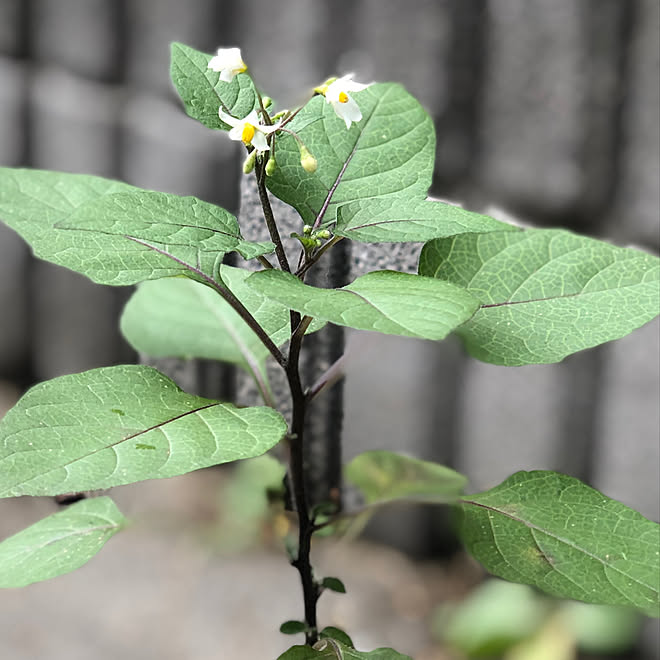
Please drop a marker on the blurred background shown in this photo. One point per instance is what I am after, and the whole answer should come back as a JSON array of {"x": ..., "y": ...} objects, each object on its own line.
[{"x": 544, "y": 110}]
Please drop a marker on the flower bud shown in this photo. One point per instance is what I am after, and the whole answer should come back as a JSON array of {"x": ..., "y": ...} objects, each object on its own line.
[
  {"x": 308, "y": 162},
  {"x": 324, "y": 234},
  {"x": 307, "y": 230},
  {"x": 321, "y": 89},
  {"x": 270, "y": 166},
  {"x": 267, "y": 101},
  {"x": 248, "y": 163}
]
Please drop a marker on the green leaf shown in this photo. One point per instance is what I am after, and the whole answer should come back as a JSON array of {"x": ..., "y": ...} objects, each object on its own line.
[
  {"x": 601, "y": 629},
  {"x": 114, "y": 233},
  {"x": 330, "y": 632},
  {"x": 33, "y": 201},
  {"x": 334, "y": 650},
  {"x": 300, "y": 653},
  {"x": 166, "y": 220},
  {"x": 558, "y": 534},
  {"x": 493, "y": 618},
  {"x": 293, "y": 627},
  {"x": 118, "y": 425},
  {"x": 545, "y": 293},
  {"x": 391, "y": 150},
  {"x": 177, "y": 317},
  {"x": 59, "y": 543},
  {"x": 334, "y": 584},
  {"x": 383, "y": 476},
  {"x": 247, "y": 504},
  {"x": 202, "y": 91},
  {"x": 384, "y": 301},
  {"x": 403, "y": 218}
]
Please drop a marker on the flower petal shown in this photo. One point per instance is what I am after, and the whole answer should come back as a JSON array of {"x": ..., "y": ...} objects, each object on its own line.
[
  {"x": 215, "y": 63},
  {"x": 227, "y": 118},
  {"x": 352, "y": 86},
  {"x": 236, "y": 133},
  {"x": 269, "y": 129},
  {"x": 252, "y": 118},
  {"x": 228, "y": 62},
  {"x": 349, "y": 111},
  {"x": 259, "y": 141}
]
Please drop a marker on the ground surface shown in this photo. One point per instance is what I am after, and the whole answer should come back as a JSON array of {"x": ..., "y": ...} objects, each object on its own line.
[{"x": 160, "y": 590}]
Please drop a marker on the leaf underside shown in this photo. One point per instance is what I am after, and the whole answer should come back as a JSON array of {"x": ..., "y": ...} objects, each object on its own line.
[
  {"x": 384, "y": 476},
  {"x": 555, "y": 532},
  {"x": 177, "y": 317}
]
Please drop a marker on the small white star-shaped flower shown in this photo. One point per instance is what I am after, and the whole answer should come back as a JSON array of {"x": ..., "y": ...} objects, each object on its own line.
[
  {"x": 337, "y": 95},
  {"x": 249, "y": 130},
  {"x": 228, "y": 62}
]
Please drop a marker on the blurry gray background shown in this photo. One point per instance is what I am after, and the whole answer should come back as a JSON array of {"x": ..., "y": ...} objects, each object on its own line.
[{"x": 545, "y": 109}]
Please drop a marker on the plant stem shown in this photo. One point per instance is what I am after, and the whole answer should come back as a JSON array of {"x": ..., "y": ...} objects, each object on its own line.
[
  {"x": 306, "y": 528},
  {"x": 265, "y": 263},
  {"x": 310, "y": 587},
  {"x": 245, "y": 314},
  {"x": 333, "y": 374},
  {"x": 270, "y": 218},
  {"x": 308, "y": 264},
  {"x": 292, "y": 115}
]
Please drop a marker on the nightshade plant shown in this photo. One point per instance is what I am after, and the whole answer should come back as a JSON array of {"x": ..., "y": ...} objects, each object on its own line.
[{"x": 355, "y": 162}]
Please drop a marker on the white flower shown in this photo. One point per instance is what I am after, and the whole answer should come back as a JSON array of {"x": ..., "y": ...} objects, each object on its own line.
[
  {"x": 248, "y": 130},
  {"x": 228, "y": 62},
  {"x": 337, "y": 95}
]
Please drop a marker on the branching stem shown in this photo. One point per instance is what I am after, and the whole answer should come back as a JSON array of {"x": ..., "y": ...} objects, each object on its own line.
[
  {"x": 296, "y": 473},
  {"x": 308, "y": 264},
  {"x": 227, "y": 294},
  {"x": 245, "y": 314},
  {"x": 333, "y": 374}
]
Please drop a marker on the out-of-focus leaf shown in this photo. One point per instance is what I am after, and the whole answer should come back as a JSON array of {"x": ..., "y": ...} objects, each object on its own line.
[{"x": 59, "y": 543}]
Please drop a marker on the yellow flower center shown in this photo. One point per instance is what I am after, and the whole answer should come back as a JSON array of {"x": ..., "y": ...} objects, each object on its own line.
[
  {"x": 343, "y": 97},
  {"x": 248, "y": 133},
  {"x": 242, "y": 68}
]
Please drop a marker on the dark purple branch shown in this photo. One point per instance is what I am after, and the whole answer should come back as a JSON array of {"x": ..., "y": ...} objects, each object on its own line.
[{"x": 229, "y": 297}]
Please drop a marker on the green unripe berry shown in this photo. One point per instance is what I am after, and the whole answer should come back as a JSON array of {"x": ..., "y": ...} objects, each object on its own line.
[{"x": 248, "y": 163}]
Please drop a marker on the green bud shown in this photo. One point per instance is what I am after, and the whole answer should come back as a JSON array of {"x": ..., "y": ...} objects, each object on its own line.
[
  {"x": 270, "y": 166},
  {"x": 308, "y": 162},
  {"x": 267, "y": 101},
  {"x": 323, "y": 88},
  {"x": 307, "y": 229},
  {"x": 307, "y": 242},
  {"x": 248, "y": 163},
  {"x": 324, "y": 234}
]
